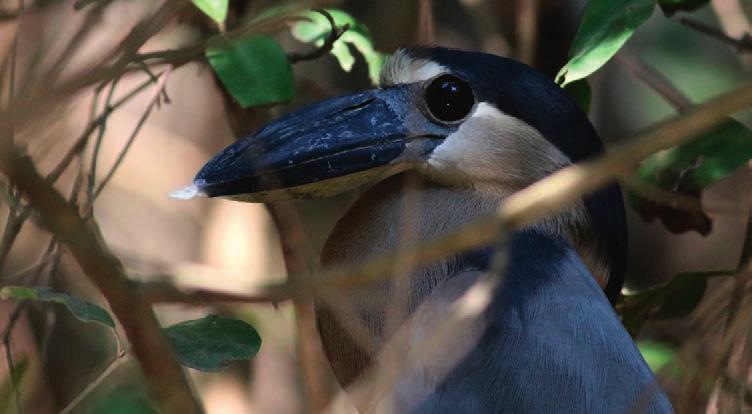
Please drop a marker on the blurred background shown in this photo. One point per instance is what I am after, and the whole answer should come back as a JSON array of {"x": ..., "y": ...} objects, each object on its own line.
[{"x": 234, "y": 247}]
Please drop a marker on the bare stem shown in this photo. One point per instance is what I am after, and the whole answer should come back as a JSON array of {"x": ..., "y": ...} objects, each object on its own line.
[
  {"x": 743, "y": 44},
  {"x": 162, "y": 373},
  {"x": 335, "y": 33},
  {"x": 116, "y": 363},
  {"x": 543, "y": 198},
  {"x": 655, "y": 80}
]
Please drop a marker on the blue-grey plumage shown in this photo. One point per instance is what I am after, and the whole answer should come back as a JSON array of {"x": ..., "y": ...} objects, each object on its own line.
[
  {"x": 447, "y": 137},
  {"x": 550, "y": 341},
  {"x": 552, "y": 344}
]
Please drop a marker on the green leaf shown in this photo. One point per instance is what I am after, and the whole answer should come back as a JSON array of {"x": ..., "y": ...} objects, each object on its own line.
[
  {"x": 674, "y": 299},
  {"x": 82, "y": 310},
  {"x": 254, "y": 69},
  {"x": 689, "y": 168},
  {"x": 605, "y": 26},
  {"x": 211, "y": 343},
  {"x": 216, "y": 9},
  {"x": 315, "y": 28},
  {"x": 670, "y": 7},
  {"x": 706, "y": 159},
  {"x": 656, "y": 354},
  {"x": 580, "y": 91}
]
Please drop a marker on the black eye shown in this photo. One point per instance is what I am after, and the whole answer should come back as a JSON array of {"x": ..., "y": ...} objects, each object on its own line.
[{"x": 449, "y": 98}]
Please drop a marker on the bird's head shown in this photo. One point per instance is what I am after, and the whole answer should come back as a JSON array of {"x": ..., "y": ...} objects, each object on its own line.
[{"x": 464, "y": 118}]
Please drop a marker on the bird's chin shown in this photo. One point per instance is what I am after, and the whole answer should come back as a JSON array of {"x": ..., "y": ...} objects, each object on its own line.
[{"x": 324, "y": 188}]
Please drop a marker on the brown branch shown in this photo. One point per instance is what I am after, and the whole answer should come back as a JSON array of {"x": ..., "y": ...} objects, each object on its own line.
[
  {"x": 162, "y": 373},
  {"x": 335, "y": 33},
  {"x": 192, "y": 53},
  {"x": 743, "y": 44},
  {"x": 300, "y": 259},
  {"x": 165, "y": 293},
  {"x": 116, "y": 363},
  {"x": 426, "y": 28},
  {"x": 544, "y": 198},
  {"x": 527, "y": 30},
  {"x": 158, "y": 90},
  {"x": 655, "y": 80}
]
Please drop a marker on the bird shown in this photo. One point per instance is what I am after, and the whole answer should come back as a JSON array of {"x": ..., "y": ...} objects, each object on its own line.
[{"x": 445, "y": 138}]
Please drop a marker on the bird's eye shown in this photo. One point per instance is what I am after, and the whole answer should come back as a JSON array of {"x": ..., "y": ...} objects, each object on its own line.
[{"x": 449, "y": 98}]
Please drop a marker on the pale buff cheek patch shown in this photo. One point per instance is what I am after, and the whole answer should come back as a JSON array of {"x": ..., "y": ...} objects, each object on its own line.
[{"x": 491, "y": 145}]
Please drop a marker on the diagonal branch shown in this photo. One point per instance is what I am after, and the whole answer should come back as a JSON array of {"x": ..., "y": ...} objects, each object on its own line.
[
  {"x": 545, "y": 198},
  {"x": 162, "y": 373},
  {"x": 743, "y": 44}
]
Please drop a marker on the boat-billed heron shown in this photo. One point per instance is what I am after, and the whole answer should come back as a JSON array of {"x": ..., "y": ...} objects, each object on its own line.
[{"x": 474, "y": 128}]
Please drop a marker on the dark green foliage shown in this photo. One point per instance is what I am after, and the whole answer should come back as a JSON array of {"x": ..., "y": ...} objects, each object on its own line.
[
  {"x": 82, "y": 310},
  {"x": 673, "y": 299},
  {"x": 315, "y": 28},
  {"x": 688, "y": 169},
  {"x": 211, "y": 343},
  {"x": 254, "y": 69},
  {"x": 605, "y": 27}
]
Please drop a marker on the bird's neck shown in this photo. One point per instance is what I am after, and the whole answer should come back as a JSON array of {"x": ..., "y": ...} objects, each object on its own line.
[
  {"x": 398, "y": 212},
  {"x": 407, "y": 208}
]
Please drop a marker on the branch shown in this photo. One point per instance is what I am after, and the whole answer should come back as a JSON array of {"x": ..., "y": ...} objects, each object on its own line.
[
  {"x": 165, "y": 292},
  {"x": 335, "y": 33},
  {"x": 181, "y": 56},
  {"x": 162, "y": 373},
  {"x": 743, "y": 44},
  {"x": 544, "y": 198},
  {"x": 527, "y": 30},
  {"x": 116, "y": 363},
  {"x": 655, "y": 80}
]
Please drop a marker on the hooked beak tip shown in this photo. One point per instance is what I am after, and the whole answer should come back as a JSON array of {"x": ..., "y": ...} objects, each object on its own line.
[{"x": 187, "y": 193}]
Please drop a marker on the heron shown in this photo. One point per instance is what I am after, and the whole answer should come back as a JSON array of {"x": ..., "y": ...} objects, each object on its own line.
[{"x": 446, "y": 137}]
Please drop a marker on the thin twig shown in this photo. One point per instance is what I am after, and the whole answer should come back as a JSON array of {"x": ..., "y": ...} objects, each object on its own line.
[
  {"x": 80, "y": 143},
  {"x": 158, "y": 88},
  {"x": 116, "y": 363},
  {"x": 162, "y": 372},
  {"x": 164, "y": 292},
  {"x": 15, "y": 220},
  {"x": 426, "y": 29},
  {"x": 527, "y": 30},
  {"x": 742, "y": 44},
  {"x": 542, "y": 199},
  {"x": 335, "y": 33},
  {"x": 7, "y": 336},
  {"x": 656, "y": 80},
  {"x": 300, "y": 259},
  {"x": 101, "y": 129}
]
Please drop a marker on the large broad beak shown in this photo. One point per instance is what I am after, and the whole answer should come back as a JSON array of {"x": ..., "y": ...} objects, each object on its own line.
[{"x": 324, "y": 149}]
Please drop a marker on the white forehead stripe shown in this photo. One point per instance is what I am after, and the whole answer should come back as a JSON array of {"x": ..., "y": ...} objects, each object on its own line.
[{"x": 402, "y": 68}]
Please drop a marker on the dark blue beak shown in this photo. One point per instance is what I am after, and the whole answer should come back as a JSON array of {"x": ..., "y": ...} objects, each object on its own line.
[{"x": 324, "y": 149}]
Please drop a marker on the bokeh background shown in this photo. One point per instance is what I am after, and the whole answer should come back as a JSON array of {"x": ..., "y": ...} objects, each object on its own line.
[{"x": 232, "y": 246}]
